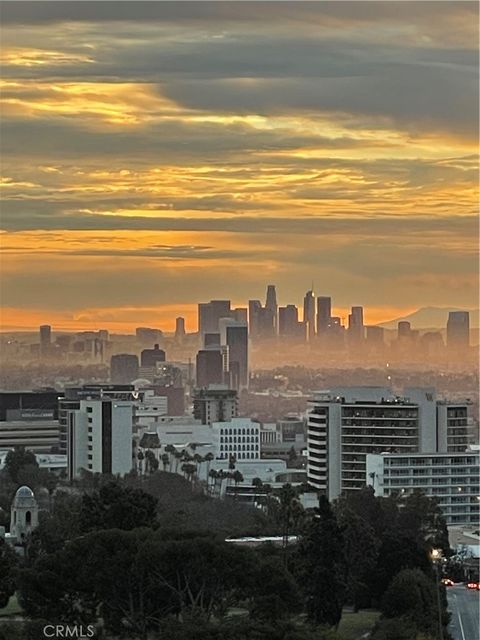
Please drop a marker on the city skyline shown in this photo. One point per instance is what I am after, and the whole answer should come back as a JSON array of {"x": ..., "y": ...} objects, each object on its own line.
[{"x": 159, "y": 154}]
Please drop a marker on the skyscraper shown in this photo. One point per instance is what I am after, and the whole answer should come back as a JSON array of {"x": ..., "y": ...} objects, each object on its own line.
[
  {"x": 209, "y": 367},
  {"x": 209, "y": 313},
  {"x": 123, "y": 368},
  {"x": 309, "y": 314},
  {"x": 45, "y": 338},
  {"x": 324, "y": 314},
  {"x": 235, "y": 335},
  {"x": 271, "y": 306},
  {"x": 179, "y": 329},
  {"x": 458, "y": 330},
  {"x": 288, "y": 324},
  {"x": 150, "y": 357},
  {"x": 356, "y": 329}
]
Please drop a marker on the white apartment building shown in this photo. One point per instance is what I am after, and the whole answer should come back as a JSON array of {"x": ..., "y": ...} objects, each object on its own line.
[
  {"x": 99, "y": 436},
  {"x": 346, "y": 424},
  {"x": 452, "y": 478}
]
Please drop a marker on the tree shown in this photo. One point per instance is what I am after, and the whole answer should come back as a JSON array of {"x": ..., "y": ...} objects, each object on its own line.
[
  {"x": 257, "y": 484},
  {"x": 272, "y": 590},
  {"x": 361, "y": 554},
  {"x": 165, "y": 461},
  {"x": 208, "y": 459},
  {"x": 422, "y": 518},
  {"x": 322, "y": 566},
  {"x": 151, "y": 462},
  {"x": 140, "y": 458},
  {"x": 412, "y": 595},
  {"x": 114, "y": 506},
  {"x": 16, "y": 459},
  {"x": 8, "y": 564}
]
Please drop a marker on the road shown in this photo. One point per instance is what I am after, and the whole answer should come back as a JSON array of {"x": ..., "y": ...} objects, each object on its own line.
[{"x": 464, "y": 605}]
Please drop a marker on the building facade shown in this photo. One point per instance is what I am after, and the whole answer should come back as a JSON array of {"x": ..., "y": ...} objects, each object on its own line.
[
  {"x": 346, "y": 424},
  {"x": 453, "y": 479}
]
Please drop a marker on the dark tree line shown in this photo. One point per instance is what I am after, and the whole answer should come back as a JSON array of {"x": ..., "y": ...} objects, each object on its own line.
[{"x": 133, "y": 556}]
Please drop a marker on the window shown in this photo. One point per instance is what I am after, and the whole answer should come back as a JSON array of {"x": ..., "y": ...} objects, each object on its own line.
[
  {"x": 89, "y": 410},
  {"x": 28, "y": 517}
]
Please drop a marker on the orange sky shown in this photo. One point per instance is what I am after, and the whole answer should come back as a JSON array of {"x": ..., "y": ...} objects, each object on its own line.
[{"x": 151, "y": 162}]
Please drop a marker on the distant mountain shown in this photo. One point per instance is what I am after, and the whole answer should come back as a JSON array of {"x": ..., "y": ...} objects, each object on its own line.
[{"x": 431, "y": 318}]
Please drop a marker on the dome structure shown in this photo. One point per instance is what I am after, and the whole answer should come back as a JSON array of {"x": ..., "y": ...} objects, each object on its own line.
[
  {"x": 142, "y": 383},
  {"x": 24, "y": 513}
]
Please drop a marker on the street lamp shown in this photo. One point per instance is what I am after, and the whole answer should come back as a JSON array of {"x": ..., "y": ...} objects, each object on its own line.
[{"x": 436, "y": 556}]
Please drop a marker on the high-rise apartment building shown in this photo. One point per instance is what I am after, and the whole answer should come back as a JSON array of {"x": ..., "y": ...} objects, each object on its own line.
[
  {"x": 123, "y": 368},
  {"x": 458, "y": 330},
  {"x": 309, "y": 314},
  {"x": 346, "y": 424}
]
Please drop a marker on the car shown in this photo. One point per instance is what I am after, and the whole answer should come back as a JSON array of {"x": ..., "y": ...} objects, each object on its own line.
[
  {"x": 474, "y": 585},
  {"x": 447, "y": 582}
]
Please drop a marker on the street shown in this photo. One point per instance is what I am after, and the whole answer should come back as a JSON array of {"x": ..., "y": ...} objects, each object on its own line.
[{"x": 464, "y": 605}]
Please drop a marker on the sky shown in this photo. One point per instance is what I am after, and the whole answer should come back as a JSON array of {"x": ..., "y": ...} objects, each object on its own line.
[{"x": 155, "y": 155}]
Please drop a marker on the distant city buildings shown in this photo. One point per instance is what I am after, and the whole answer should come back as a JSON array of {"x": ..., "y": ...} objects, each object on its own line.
[
  {"x": 458, "y": 330},
  {"x": 309, "y": 315},
  {"x": 123, "y": 368}
]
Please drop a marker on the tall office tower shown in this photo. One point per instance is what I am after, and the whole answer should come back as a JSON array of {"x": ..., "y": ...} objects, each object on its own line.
[
  {"x": 123, "y": 368},
  {"x": 146, "y": 336},
  {"x": 254, "y": 311},
  {"x": 309, "y": 314},
  {"x": 45, "y": 338},
  {"x": 150, "y": 357},
  {"x": 324, "y": 314},
  {"x": 235, "y": 335},
  {"x": 209, "y": 313},
  {"x": 99, "y": 437},
  {"x": 458, "y": 330},
  {"x": 404, "y": 329},
  {"x": 179, "y": 329},
  {"x": 240, "y": 314},
  {"x": 287, "y": 320},
  {"x": 217, "y": 403},
  {"x": 209, "y": 367},
  {"x": 347, "y": 423},
  {"x": 356, "y": 329},
  {"x": 271, "y": 306}
]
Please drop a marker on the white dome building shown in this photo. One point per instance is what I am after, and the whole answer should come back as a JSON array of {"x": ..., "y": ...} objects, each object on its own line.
[{"x": 24, "y": 514}]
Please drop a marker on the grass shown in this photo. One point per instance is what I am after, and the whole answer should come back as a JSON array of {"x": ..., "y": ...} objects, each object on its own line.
[
  {"x": 354, "y": 626},
  {"x": 12, "y": 608}
]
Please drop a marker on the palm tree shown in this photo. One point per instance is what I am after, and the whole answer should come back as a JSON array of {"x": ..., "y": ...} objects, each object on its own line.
[
  {"x": 140, "y": 458},
  {"x": 237, "y": 478},
  {"x": 257, "y": 484},
  {"x": 165, "y": 460},
  {"x": 198, "y": 459},
  {"x": 170, "y": 449},
  {"x": 208, "y": 458},
  {"x": 213, "y": 475},
  {"x": 178, "y": 457}
]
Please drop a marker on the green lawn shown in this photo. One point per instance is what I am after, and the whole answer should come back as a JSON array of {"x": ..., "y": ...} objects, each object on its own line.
[
  {"x": 354, "y": 626},
  {"x": 12, "y": 608}
]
